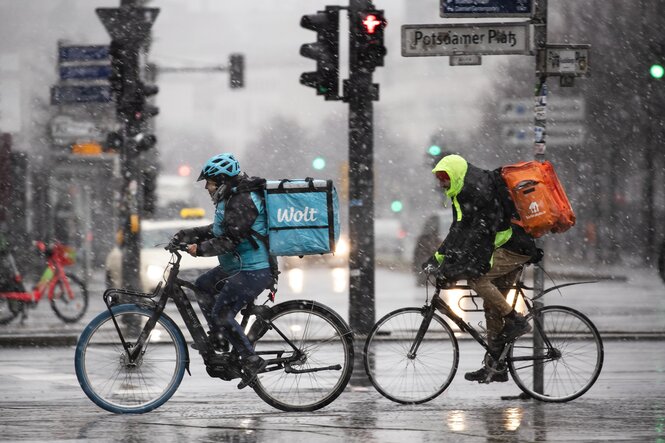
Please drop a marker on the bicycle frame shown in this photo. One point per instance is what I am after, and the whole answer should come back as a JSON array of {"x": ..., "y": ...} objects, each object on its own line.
[
  {"x": 173, "y": 290},
  {"x": 519, "y": 287}
]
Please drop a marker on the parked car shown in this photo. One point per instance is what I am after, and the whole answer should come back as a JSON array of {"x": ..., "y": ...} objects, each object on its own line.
[
  {"x": 433, "y": 231},
  {"x": 155, "y": 234}
]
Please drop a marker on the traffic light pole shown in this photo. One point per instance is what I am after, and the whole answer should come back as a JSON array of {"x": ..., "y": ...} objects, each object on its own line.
[
  {"x": 129, "y": 28},
  {"x": 358, "y": 93}
]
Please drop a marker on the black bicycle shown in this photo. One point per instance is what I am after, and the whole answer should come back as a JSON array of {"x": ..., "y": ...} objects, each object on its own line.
[
  {"x": 411, "y": 354},
  {"x": 132, "y": 357}
]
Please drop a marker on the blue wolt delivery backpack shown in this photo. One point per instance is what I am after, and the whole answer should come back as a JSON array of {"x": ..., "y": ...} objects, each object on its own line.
[{"x": 303, "y": 216}]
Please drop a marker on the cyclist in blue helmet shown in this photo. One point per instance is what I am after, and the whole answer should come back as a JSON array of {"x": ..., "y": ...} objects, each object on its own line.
[{"x": 244, "y": 267}]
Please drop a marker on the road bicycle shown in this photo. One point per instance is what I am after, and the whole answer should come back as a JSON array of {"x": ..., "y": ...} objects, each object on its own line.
[
  {"x": 67, "y": 294},
  {"x": 132, "y": 357},
  {"x": 411, "y": 354}
]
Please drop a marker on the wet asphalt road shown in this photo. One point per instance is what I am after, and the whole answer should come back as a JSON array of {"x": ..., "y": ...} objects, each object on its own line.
[{"x": 40, "y": 400}]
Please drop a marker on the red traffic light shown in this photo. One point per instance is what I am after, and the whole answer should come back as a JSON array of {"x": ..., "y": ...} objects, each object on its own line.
[{"x": 371, "y": 23}]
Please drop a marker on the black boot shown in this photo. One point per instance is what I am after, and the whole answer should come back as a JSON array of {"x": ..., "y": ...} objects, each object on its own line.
[
  {"x": 218, "y": 342},
  {"x": 251, "y": 367},
  {"x": 485, "y": 375},
  {"x": 514, "y": 325}
]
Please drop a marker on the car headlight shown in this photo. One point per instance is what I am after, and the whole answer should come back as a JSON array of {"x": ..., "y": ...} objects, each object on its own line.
[
  {"x": 342, "y": 247},
  {"x": 154, "y": 273}
]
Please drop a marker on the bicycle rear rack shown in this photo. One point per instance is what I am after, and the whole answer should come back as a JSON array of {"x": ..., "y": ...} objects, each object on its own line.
[{"x": 117, "y": 296}]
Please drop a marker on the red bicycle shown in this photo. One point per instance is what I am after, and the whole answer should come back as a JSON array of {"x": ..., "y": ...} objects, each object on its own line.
[{"x": 67, "y": 294}]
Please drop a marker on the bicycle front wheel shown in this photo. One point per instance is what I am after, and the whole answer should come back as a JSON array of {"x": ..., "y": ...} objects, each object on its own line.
[
  {"x": 324, "y": 350},
  {"x": 70, "y": 306},
  {"x": 114, "y": 383},
  {"x": 404, "y": 374},
  {"x": 561, "y": 360}
]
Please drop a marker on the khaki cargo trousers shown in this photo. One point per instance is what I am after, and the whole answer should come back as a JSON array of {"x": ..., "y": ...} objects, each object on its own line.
[{"x": 493, "y": 287}]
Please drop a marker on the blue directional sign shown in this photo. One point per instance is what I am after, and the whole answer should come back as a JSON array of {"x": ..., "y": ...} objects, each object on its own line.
[
  {"x": 84, "y": 72},
  {"x": 72, "y": 94},
  {"x": 486, "y": 8},
  {"x": 79, "y": 53}
]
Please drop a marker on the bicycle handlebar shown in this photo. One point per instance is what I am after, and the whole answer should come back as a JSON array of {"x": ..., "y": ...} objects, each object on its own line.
[{"x": 174, "y": 247}]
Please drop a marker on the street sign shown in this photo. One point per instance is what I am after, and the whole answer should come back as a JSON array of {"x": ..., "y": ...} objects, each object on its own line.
[
  {"x": 465, "y": 60},
  {"x": 84, "y": 72},
  {"x": 66, "y": 127},
  {"x": 77, "y": 53},
  {"x": 69, "y": 94},
  {"x": 557, "y": 135},
  {"x": 567, "y": 60},
  {"x": 486, "y": 8},
  {"x": 465, "y": 39},
  {"x": 558, "y": 109}
]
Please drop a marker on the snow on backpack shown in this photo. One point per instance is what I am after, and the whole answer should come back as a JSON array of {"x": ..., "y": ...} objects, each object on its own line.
[
  {"x": 302, "y": 214},
  {"x": 539, "y": 198}
]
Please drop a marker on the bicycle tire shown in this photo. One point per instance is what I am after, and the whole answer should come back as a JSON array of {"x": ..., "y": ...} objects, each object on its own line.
[
  {"x": 568, "y": 375},
  {"x": 326, "y": 341},
  {"x": 109, "y": 381},
  {"x": 70, "y": 310},
  {"x": 9, "y": 309},
  {"x": 404, "y": 379}
]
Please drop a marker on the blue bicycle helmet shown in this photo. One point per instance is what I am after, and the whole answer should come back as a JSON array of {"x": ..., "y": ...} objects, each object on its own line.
[{"x": 220, "y": 165}]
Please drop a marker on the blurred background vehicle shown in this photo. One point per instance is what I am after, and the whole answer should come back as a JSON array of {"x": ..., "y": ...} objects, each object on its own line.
[
  {"x": 431, "y": 234},
  {"x": 389, "y": 240},
  {"x": 155, "y": 234}
]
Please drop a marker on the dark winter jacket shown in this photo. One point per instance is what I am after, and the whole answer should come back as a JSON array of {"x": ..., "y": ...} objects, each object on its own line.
[
  {"x": 467, "y": 250},
  {"x": 235, "y": 221}
]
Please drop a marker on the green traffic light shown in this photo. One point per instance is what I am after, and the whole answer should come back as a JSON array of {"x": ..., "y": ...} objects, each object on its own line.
[
  {"x": 434, "y": 150},
  {"x": 396, "y": 206},
  {"x": 319, "y": 163},
  {"x": 657, "y": 71}
]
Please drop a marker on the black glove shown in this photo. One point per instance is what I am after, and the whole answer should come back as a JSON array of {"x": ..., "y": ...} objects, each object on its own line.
[
  {"x": 430, "y": 265},
  {"x": 537, "y": 256}
]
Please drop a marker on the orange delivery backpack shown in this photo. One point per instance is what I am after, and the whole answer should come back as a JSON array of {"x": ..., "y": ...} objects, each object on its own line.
[{"x": 539, "y": 198}]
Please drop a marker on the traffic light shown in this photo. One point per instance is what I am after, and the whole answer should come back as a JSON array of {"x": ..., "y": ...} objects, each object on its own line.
[
  {"x": 657, "y": 71},
  {"x": 371, "y": 49},
  {"x": 434, "y": 150},
  {"x": 325, "y": 51},
  {"x": 319, "y": 163},
  {"x": 236, "y": 71},
  {"x": 396, "y": 206}
]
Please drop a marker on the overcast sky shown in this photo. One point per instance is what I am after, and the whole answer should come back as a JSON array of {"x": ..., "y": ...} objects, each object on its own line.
[{"x": 418, "y": 95}]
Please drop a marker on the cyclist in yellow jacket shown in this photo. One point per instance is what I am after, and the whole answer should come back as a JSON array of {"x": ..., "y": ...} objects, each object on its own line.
[{"x": 483, "y": 248}]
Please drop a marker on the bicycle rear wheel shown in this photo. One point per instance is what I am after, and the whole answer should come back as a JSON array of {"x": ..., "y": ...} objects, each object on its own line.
[
  {"x": 569, "y": 367},
  {"x": 324, "y": 366},
  {"x": 110, "y": 380},
  {"x": 405, "y": 378},
  {"x": 70, "y": 309}
]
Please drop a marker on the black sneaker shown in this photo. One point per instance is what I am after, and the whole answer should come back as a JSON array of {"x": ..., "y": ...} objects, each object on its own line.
[
  {"x": 514, "y": 326},
  {"x": 483, "y": 375},
  {"x": 251, "y": 367}
]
